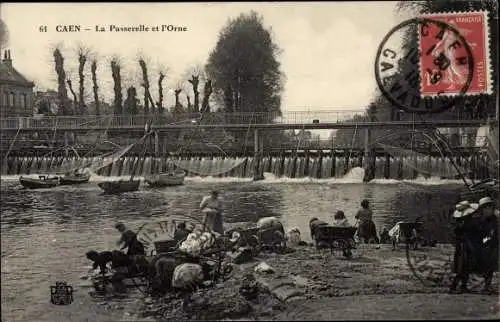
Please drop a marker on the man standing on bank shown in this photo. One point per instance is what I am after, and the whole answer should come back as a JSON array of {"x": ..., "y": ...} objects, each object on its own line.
[{"x": 211, "y": 206}]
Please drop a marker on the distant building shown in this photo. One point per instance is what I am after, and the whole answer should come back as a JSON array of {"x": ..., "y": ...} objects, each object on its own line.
[
  {"x": 16, "y": 92},
  {"x": 46, "y": 103}
]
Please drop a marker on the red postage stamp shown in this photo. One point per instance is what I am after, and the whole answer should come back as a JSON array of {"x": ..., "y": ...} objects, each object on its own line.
[{"x": 445, "y": 68}]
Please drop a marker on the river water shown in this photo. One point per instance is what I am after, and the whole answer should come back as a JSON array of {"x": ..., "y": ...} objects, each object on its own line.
[{"x": 45, "y": 233}]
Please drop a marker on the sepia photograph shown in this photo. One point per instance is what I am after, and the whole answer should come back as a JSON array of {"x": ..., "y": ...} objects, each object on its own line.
[{"x": 208, "y": 161}]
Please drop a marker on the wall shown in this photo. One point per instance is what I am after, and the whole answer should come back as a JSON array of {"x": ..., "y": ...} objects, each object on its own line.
[{"x": 6, "y": 109}]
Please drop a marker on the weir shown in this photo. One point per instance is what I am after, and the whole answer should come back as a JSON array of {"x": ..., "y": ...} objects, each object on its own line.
[{"x": 314, "y": 166}]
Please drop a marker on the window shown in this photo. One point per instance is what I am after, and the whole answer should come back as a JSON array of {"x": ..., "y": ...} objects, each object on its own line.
[
  {"x": 23, "y": 102},
  {"x": 11, "y": 100},
  {"x": 5, "y": 100}
]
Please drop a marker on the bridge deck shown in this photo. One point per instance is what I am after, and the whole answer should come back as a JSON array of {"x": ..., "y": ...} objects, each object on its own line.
[{"x": 231, "y": 121}]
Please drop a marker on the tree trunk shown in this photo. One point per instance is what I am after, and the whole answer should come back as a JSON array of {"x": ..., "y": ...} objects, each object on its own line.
[
  {"x": 70, "y": 86},
  {"x": 61, "y": 80},
  {"x": 160, "y": 93},
  {"x": 115, "y": 69},
  {"x": 146, "y": 86},
  {"x": 190, "y": 107},
  {"x": 82, "y": 59},
  {"x": 228, "y": 99},
  {"x": 205, "y": 107},
  {"x": 93, "y": 68},
  {"x": 195, "y": 80}
]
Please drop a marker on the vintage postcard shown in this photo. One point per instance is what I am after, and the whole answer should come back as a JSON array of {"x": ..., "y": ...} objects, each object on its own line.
[{"x": 249, "y": 161}]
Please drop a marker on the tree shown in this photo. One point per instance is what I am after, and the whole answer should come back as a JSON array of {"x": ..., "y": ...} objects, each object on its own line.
[
  {"x": 145, "y": 84},
  {"x": 159, "y": 105},
  {"x": 115, "y": 71},
  {"x": 61, "y": 81},
  {"x": 95, "y": 88},
  {"x": 244, "y": 67},
  {"x": 82, "y": 59},
  {"x": 131, "y": 102}
]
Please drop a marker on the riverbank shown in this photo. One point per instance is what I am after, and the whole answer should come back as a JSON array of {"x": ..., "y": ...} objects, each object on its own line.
[{"x": 374, "y": 284}]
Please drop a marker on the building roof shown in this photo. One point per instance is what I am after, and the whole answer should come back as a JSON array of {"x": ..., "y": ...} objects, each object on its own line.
[{"x": 9, "y": 74}]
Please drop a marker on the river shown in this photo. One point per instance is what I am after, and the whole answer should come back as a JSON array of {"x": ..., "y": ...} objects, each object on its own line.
[{"x": 45, "y": 233}]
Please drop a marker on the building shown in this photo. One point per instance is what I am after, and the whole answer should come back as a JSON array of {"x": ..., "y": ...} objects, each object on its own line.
[{"x": 16, "y": 92}]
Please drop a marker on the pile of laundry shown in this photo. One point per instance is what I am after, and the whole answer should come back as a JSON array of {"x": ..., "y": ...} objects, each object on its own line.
[{"x": 196, "y": 242}]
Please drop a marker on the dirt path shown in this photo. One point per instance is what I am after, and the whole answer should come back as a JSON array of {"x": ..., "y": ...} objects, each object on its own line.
[
  {"x": 375, "y": 284},
  {"x": 395, "y": 307}
]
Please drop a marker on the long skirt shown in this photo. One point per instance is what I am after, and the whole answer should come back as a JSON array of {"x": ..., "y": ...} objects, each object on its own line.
[
  {"x": 367, "y": 231},
  {"x": 213, "y": 222}
]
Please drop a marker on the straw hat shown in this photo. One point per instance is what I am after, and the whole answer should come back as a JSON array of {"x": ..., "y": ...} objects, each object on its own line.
[
  {"x": 464, "y": 208},
  {"x": 485, "y": 201}
]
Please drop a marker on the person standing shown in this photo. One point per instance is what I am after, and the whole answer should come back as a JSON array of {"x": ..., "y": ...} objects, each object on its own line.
[
  {"x": 211, "y": 206},
  {"x": 366, "y": 227},
  {"x": 489, "y": 253},
  {"x": 464, "y": 259}
]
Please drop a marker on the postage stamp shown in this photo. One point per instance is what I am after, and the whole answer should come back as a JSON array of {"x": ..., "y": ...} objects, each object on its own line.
[
  {"x": 443, "y": 59},
  {"x": 397, "y": 66}
]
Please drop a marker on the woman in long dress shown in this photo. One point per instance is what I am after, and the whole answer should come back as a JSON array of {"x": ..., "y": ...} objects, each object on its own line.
[
  {"x": 212, "y": 207},
  {"x": 366, "y": 228}
]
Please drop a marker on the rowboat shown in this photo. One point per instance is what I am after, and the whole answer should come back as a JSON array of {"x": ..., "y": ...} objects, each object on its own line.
[
  {"x": 42, "y": 182},
  {"x": 74, "y": 178},
  {"x": 165, "y": 179},
  {"x": 119, "y": 186}
]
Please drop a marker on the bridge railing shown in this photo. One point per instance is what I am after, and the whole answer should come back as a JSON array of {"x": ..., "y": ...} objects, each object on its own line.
[{"x": 134, "y": 121}]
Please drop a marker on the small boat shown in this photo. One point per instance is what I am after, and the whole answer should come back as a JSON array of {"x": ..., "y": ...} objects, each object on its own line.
[
  {"x": 114, "y": 187},
  {"x": 120, "y": 186},
  {"x": 42, "y": 182},
  {"x": 166, "y": 179},
  {"x": 74, "y": 178}
]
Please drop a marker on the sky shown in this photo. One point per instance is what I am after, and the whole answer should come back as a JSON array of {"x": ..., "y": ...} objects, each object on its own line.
[{"x": 328, "y": 48}]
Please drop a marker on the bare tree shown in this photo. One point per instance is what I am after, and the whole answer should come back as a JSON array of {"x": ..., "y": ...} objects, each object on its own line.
[
  {"x": 61, "y": 80},
  {"x": 70, "y": 86},
  {"x": 115, "y": 70},
  {"x": 82, "y": 59},
  {"x": 145, "y": 84},
  {"x": 95, "y": 88},
  {"x": 160, "y": 107}
]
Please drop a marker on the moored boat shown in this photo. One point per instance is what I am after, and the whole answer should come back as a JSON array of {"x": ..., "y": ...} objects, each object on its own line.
[
  {"x": 74, "y": 178},
  {"x": 166, "y": 179},
  {"x": 42, "y": 182},
  {"x": 119, "y": 186}
]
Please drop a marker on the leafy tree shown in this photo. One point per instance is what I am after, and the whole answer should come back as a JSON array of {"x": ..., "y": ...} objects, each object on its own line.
[{"x": 244, "y": 68}]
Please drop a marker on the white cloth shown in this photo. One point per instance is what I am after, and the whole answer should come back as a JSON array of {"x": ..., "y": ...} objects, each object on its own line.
[
  {"x": 396, "y": 230},
  {"x": 208, "y": 204},
  {"x": 187, "y": 275},
  {"x": 268, "y": 222}
]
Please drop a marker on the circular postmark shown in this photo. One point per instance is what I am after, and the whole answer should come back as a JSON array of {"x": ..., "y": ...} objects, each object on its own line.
[
  {"x": 433, "y": 266},
  {"x": 429, "y": 78}
]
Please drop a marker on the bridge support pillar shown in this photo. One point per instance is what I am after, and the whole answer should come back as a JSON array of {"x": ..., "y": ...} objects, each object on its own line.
[
  {"x": 369, "y": 158},
  {"x": 157, "y": 144},
  {"x": 257, "y": 175}
]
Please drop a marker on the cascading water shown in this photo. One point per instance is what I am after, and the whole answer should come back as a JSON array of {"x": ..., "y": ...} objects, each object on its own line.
[{"x": 290, "y": 166}]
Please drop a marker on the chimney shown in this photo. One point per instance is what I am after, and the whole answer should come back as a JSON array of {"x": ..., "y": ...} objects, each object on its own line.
[{"x": 6, "y": 59}]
